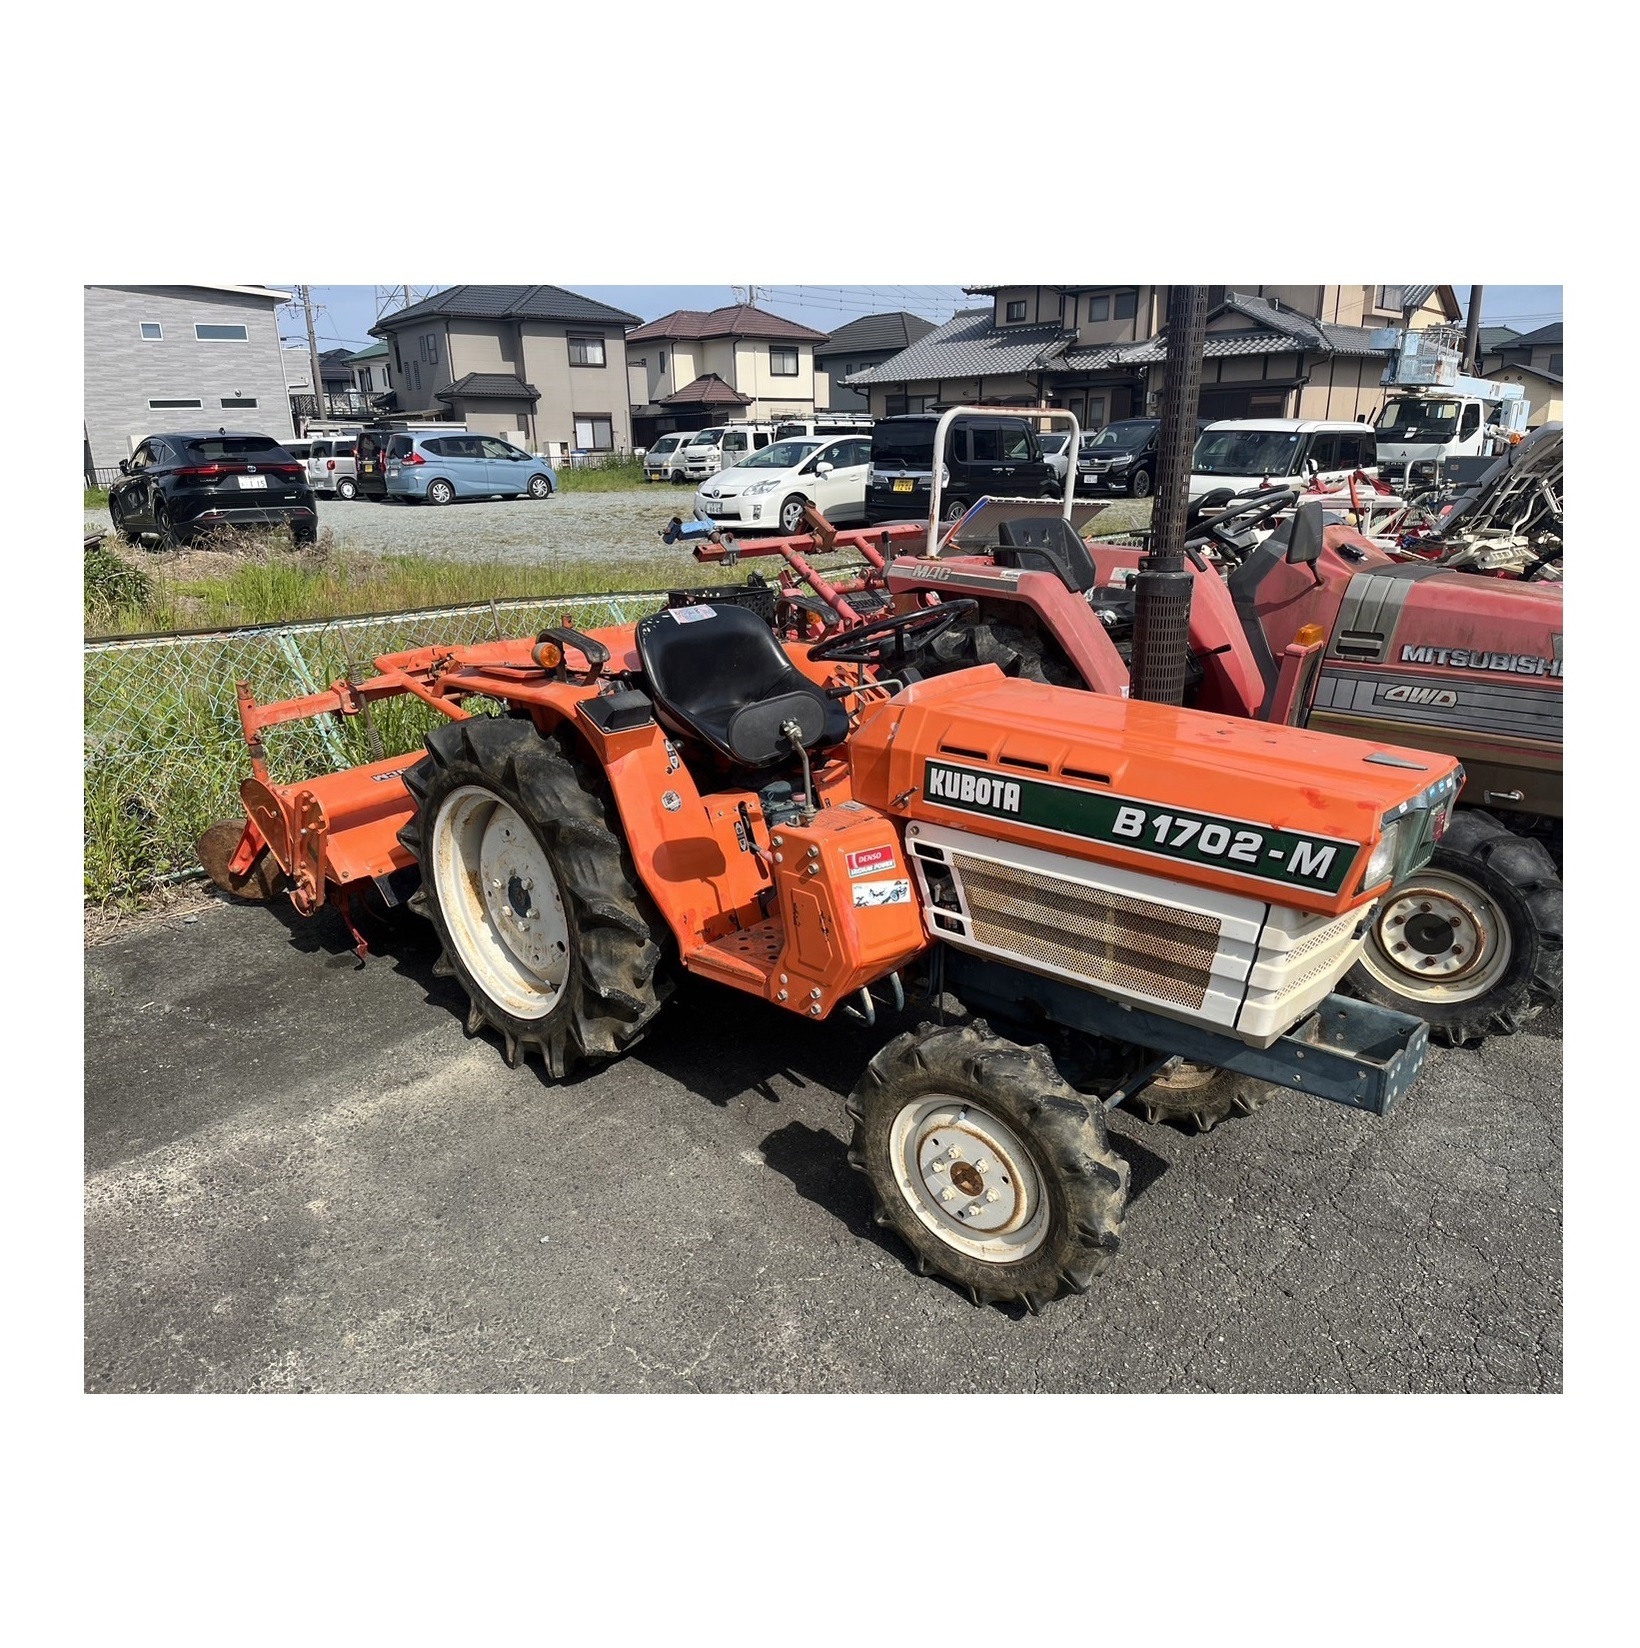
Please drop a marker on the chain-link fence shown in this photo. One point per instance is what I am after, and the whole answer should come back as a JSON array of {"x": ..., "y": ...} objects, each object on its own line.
[{"x": 164, "y": 753}]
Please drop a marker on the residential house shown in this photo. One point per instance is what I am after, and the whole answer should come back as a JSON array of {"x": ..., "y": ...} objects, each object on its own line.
[
  {"x": 159, "y": 358},
  {"x": 1271, "y": 351},
  {"x": 692, "y": 368},
  {"x": 372, "y": 370},
  {"x": 540, "y": 365},
  {"x": 862, "y": 343},
  {"x": 1536, "y": 361},
  {"x": 1541, "y": 350},
  {"x": 1488, "y": 341}
]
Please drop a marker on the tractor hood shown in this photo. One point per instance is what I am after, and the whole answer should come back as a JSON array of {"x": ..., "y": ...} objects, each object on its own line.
[{"x": 1270, "y": 812}]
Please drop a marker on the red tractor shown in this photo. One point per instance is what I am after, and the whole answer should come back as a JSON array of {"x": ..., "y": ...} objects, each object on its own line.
[{"x": 1310, "y": 624}]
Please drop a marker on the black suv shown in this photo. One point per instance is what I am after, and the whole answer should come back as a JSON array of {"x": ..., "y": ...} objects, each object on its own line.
[
  {"x": 984, "y": 456},
  {"x": 178, "y": 486},
  {"x": 1121, "y": 457}
]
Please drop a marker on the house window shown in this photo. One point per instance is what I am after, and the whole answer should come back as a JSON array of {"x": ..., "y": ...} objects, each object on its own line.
[
  {"x": 432, "y": 348},
  {"x": 151, "y": 330},
  {"x": 1096, "y": 412},
  {"x": 1014, "y": 311},
  {"x": 1557, "y": 363},
  {"x": 238, "y": 403},
  {"x": 586, "y": 351},
  {"x": 1389, "y": 297},
  {"x": 1127, "y": 304},
  {"x": 366, "y": 382},
  {"x": 782, "y": 362},
  {"x": 894, "y": 406},
  {"x": 1099, "y": 308},
  {"x": 173, "y": 406},
  {"x": 663, "y": 360},
  {"x": 222, "y": 334},
  {"x": 594, "y": 434}
]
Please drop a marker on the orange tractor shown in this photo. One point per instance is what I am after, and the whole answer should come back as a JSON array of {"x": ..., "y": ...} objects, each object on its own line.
[{"x": 1157, "y": 902}]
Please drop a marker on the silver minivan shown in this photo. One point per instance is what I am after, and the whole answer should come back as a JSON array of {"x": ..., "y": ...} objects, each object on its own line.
[{"x": 331, "y": 465}]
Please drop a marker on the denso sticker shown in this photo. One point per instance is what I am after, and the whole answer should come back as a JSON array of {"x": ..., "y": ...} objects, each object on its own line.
[
  {"x": 869, "y": 894},
  {"x": 870, "y": 860},
  {"x": 690, "y": 615}
]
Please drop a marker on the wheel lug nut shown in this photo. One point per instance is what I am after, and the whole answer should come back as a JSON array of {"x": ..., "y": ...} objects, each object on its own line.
[
  {"x": 992, "y": 1195},
  {"x": 982, "y": 1166},
  {"x": 947, "y": 1193},
  {"x": 973, "y": 1208}
]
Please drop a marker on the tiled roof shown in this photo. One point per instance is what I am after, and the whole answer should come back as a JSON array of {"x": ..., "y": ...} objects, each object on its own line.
[
  {"x": 507, "y": 303},
  {"x": 738, "y": 320},
  {"x": 374, "y": 352},
  {"x": 1219, "y": 345},
  {"x": 1540, "y": 339},
  {"x": 1493, "y": 338},
  {"x": 969, "y": 346},
  {"x": 1536, "y": 371},
  {"x": 480, "y": 386},
  {"x": 869, "y": 332},
  {"x": 707, "y": 390}
]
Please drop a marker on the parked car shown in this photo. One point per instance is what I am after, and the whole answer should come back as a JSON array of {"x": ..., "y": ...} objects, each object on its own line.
[
  {"x": 664, "y": 460},
  {"x": 177, "y": 486},
  {"x": 1121, "y": 457},
  {"x": 1052, "y": 446},
  {"x": 1244, "y": 452},
  {"x": 996, "y": 456},
  {"x": 826, "y": 423},
  {"x": 370, "y": 453},
  {"x": 438, "y": 469},
  {"x": 331, "y": 465},
  {"x": 767, "y": 491},
  {"x": 710, "y": 450}
]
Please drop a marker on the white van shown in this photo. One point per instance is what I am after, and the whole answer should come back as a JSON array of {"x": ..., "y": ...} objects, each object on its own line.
[
  {"x": 1240, "y": 453},
  {"x": 664, "y": 460},
  {"x": 723, "y": 445}
]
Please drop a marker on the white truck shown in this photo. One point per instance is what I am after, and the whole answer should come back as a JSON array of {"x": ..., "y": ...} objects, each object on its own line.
[{"x": 1433, "y": 413}]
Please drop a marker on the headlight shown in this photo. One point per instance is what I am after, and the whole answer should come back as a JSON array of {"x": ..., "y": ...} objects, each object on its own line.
[
  {"x": 1381, "y": 865},
  {"x": 1119, "y": 463},
  {"x": 1424, "y": 471},
  {"x": 759, "y": 487}
]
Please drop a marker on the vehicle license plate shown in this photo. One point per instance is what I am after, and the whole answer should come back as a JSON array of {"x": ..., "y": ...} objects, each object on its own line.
[
  {"x": 253, "y": 482},
  {"x": 713, "y": 508},
  {"x": 370, "y": 469},
  {"x": 903, "y": 485}
]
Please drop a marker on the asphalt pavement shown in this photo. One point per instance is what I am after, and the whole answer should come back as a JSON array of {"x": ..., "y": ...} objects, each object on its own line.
[{"x": 302, "y": 1176}]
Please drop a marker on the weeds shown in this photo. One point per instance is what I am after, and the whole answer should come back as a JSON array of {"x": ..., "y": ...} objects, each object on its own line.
[{"x": 620, "y": 474}]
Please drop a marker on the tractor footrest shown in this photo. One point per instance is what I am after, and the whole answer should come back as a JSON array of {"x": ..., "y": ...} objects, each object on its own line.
[{"x": 745, "y": 959}]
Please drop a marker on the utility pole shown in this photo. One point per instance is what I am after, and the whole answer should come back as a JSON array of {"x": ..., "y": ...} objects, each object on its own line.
[
  {"x": 313, "y": 352},
  {"x": 1472, "y": 331},
  {"x": 1161, "y": 594}
]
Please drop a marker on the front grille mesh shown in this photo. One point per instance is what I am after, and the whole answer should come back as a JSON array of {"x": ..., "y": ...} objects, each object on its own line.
[{"x": 1104, "y": 937}]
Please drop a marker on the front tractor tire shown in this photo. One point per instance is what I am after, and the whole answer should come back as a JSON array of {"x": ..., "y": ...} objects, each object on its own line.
[
  {"x": 989, "y": 1166},
  {"x": 1471, "y": 942},
  {"x": 533, "y": 896}
]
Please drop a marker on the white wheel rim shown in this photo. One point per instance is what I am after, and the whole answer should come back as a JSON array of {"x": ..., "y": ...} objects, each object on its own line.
[
  {"x": 969, "y": 1178},
  {"x": 501, "y": 902},
  {"x": 1439, "y": 938}
]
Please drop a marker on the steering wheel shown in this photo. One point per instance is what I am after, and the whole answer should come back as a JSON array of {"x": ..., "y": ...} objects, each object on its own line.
[
  {"x": 890, "y": 639},
  {"x": 1237, "y": 520}
]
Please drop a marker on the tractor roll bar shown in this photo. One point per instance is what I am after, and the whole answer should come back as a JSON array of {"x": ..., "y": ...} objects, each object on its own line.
[{"x": 943, "y": 427}]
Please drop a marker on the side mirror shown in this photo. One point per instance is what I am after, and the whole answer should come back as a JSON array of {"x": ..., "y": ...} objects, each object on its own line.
[
  {"x": 1309, "y": 527},
  {"x": 125, "y": 466},
  {"x": 822, "y": 469}
]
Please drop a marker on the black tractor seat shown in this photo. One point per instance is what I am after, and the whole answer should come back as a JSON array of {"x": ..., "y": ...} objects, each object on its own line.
[
  {"x": 1047, "y": 544},
  {"x": 717, "y": 673}
]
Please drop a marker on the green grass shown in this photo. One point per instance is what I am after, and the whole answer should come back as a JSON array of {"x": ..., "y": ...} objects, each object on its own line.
[
  {"x": 622, "y": 474},
  {"x": 131, "y": 592},
  {"x": 96, "y": 497}
]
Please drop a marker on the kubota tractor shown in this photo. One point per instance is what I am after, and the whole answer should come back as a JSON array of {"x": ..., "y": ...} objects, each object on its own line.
[
  {"x": 1163, "y": 899},
  {"x": 1311, "y": 625}
]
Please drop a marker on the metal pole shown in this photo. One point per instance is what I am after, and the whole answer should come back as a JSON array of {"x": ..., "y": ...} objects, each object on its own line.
[
  {"x": 1161, "y": 630},
  {"x": 313, "y": 353},
  {"x": 1472, "y": 331}
]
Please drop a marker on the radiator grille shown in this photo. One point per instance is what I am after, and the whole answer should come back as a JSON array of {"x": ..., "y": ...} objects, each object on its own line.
[
  {"x": 1323, "y": 936},
  {"x": 1104, "y": 937}
]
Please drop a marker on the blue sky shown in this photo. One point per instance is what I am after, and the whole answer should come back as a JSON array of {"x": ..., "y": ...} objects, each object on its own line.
[{"x": 345, "y": 313}]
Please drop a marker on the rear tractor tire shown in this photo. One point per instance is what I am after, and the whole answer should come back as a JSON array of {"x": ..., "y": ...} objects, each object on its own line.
[
  {"x": 1201, "y": 1094},
  {"x": 1471, "y": 942},
  {"x": 532, "y": 894},
  {"x": 989, "y": 1166}
]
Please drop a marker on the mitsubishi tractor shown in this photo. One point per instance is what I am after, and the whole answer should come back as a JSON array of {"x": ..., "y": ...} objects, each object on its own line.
[
  {"x": 1093, "y": 898},
  {"x": 1296, "y": 619}
]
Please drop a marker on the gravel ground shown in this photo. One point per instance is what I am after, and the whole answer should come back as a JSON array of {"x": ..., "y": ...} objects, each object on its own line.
[{"x": 300, "y": 1175}]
